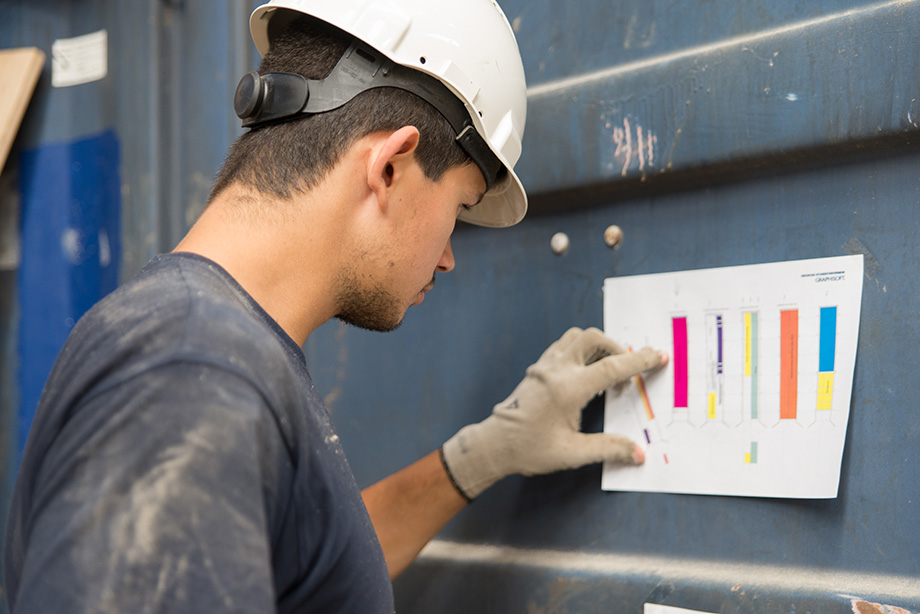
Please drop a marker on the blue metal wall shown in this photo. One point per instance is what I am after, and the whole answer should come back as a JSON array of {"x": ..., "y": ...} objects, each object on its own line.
[
  {"x": 129, "y": 157},
  {"x": 714, "y": 134}
]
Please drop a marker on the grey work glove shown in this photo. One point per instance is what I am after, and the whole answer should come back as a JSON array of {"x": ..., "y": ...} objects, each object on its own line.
[{"x": 537, "y": 428}]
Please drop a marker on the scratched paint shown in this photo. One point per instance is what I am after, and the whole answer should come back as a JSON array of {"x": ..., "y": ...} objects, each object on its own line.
[
  {"x": 749, "y": 96},
  {"x": 633, "y": 147}
]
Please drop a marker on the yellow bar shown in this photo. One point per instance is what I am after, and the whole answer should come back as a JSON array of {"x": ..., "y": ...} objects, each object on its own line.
[
  {"x": 747, "y": 457},
  {"x": 747, "y": 344},
  {"x": 825, "y": 390},
  {"x": 712, "y": 405}
]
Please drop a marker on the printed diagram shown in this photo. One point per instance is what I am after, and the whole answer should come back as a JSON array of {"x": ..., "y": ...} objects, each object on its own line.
[{"x": 755, "y": 398}]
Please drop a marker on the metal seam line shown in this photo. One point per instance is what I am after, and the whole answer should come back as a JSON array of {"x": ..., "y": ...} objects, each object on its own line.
[
  {"x": 552, "y": 87},
  {"x": 744, "y": 575}
]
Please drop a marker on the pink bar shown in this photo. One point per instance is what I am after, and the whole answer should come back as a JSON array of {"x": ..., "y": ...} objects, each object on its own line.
[{"x": 679, "y": 326}]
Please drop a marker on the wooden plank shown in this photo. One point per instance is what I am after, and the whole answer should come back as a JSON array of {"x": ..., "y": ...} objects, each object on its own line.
[{"x": 19, "y": 72}]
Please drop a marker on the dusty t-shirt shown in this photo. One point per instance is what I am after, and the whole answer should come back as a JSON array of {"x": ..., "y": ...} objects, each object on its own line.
[{"x": 182, "y": 461}]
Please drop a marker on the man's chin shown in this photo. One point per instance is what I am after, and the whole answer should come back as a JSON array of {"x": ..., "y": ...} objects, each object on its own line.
[
  {"x": 371, "y": 326},
  {"x": 372, "y": 321}
]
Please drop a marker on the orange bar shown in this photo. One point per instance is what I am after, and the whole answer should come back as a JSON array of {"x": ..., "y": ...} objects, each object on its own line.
[{"x": 788, "y": 363}]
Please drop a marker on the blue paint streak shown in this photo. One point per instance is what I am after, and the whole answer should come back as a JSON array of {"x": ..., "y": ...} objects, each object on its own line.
[
  {"x": 71, "y": 250},
  {"x": 827, "y": 344}
]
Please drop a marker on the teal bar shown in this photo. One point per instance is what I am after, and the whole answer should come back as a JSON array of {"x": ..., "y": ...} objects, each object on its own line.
[
  {"x": 753, "y": 452},
  {"x": 754, "y": 377}
]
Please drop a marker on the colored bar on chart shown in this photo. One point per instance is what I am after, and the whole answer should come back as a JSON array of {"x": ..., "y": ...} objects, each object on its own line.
[
  {"x": 719, "y": 343},
  {"x": 755, "y": 367},
  {"x": 750, "y": 363},
  {"x": 751, "y": 457},
  {"x": 827, "y": 348},
  {"x": 714, "y": 374},
  {"x": 827, "y": 340},
  {"x": 681, "y": 381},
  {"x": 748, "y": 357},
  {"x": 825, "y": 390},
  {"x": 788, "y": 363}
]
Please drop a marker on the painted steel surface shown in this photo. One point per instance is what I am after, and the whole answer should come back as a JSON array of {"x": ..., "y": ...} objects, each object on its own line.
[
  {"x": 712, "y": 136},
  {"x": 778, "y": 132},
  {"x": 749, "y": 87},
  {"x": 501, "y": 307},
  {"x": 131, "y": 154}
]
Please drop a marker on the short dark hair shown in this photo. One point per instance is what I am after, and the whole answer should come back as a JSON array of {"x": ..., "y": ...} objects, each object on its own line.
[{"x": 294, "y": 156}]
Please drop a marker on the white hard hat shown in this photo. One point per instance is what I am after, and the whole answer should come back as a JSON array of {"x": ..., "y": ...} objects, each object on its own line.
[{"x": 467, "y": 45}]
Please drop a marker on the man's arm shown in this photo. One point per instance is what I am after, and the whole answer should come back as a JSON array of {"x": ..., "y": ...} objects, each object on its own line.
[
  {"x": 535, "y": 430},
  {"x": 409, "y": 507}
]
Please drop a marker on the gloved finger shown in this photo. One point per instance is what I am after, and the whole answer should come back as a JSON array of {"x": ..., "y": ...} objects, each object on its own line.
[
  {"x": 598, "y": 447},
  {"x": 566, "y": 340},
  {"x": 612, "y": 369},
  {"x": 591, "y": 345}
]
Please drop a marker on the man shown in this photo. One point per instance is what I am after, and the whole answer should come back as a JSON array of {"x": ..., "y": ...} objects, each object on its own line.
[{"x": 181, "y": 459}]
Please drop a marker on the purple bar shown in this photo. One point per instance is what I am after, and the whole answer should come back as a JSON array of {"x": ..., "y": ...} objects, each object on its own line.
[{"x": 719, "y": 328}]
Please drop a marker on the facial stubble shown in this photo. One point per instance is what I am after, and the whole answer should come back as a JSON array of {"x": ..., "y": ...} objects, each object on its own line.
[{"x": 365, "y": 304}]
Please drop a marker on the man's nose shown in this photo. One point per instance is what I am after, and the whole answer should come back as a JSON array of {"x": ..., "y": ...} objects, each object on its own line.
[{"x": 446, "y": 263}]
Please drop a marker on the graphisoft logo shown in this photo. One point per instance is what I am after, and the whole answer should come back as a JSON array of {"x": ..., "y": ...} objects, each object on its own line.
[{"x": 830, "y": 276}]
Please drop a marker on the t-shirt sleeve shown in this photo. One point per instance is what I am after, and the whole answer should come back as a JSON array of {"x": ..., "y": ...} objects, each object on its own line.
[{"x": 154, "y": 499}]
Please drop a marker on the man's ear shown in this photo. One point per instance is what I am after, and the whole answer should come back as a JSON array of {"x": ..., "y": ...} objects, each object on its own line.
[{"x": 390, "y": 160}]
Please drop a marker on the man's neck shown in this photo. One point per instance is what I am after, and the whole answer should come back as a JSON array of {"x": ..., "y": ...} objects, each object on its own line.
[{"x": 275, "y": 257}]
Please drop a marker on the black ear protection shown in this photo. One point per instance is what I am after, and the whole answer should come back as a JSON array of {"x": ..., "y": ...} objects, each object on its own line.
[{"x": 279, "y": 96}]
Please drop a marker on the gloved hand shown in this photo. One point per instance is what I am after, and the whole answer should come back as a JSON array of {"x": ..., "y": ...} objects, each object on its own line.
[{"x": 536, "y": 429}]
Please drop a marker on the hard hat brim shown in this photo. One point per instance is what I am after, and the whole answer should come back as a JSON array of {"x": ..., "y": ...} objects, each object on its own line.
[{"x": 503, "y": 206}]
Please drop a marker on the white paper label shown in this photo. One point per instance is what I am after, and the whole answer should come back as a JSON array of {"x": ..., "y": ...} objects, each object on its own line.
[{"x": 78, "y": 60}]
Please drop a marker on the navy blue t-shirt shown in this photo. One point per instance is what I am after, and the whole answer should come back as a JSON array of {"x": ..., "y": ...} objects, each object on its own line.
[{"x": 181, "y": 460}]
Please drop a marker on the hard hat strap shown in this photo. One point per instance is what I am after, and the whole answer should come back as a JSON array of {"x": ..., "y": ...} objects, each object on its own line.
[{"x": 279, "y": 96}]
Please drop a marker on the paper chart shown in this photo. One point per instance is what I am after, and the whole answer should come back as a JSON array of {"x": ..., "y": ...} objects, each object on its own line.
[{"x": 755, "y": 398}]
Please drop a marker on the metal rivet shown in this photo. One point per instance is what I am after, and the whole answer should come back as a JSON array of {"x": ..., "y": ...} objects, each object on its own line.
[
  {"x": 613, "y": 235},
  {"x": 559, "y": 243}
]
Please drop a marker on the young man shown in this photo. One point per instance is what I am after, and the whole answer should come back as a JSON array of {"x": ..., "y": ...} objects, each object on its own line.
[{"x": 181, "y": 459}]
